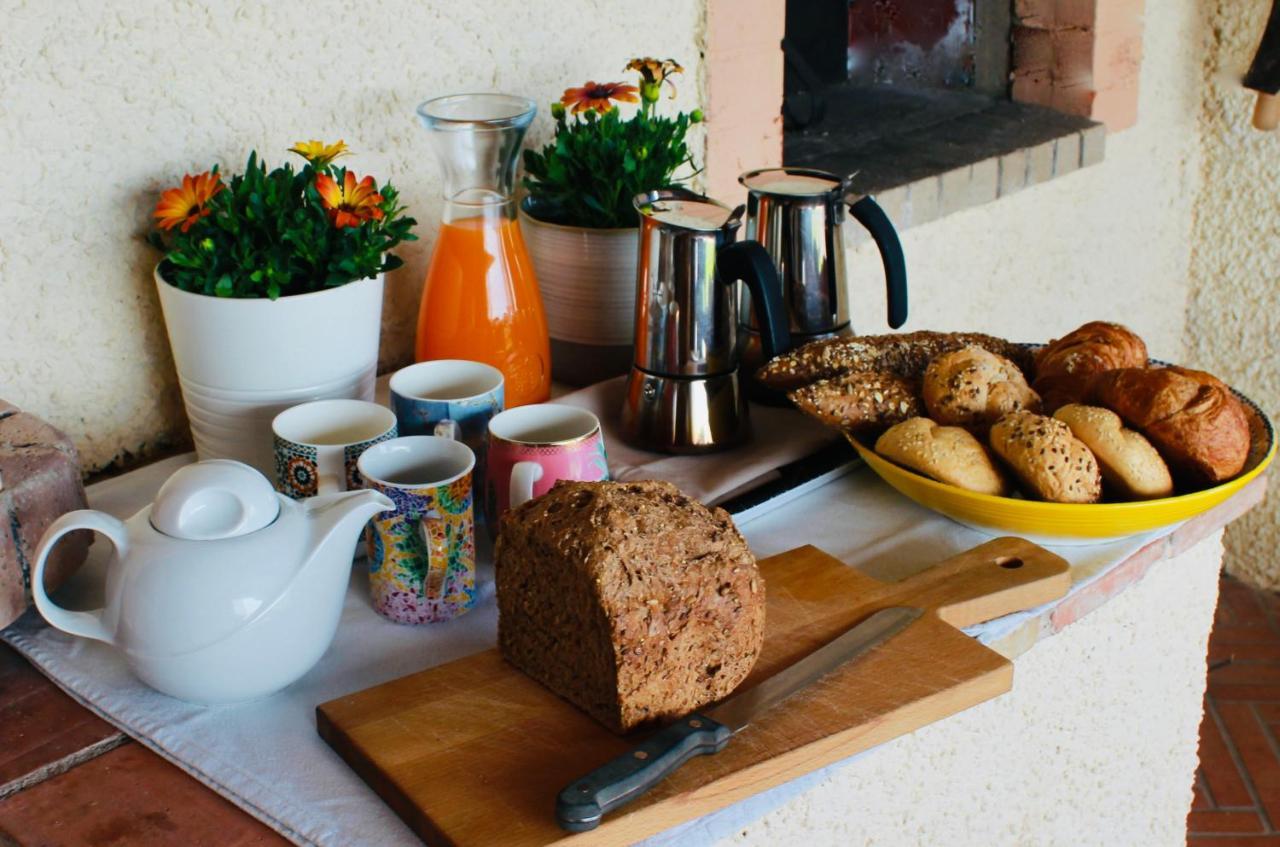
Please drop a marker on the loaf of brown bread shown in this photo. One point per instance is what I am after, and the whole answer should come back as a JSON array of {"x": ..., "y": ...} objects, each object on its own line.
[
  {"x": 1066, "y": 367},
  {"x": 630, "y": 600},
  {"x": 1194, "y": 421},
  {"x": 1050, "y": 462},
  {"x": 905, "y": 355},
  {"x": 860, "y": 401}
]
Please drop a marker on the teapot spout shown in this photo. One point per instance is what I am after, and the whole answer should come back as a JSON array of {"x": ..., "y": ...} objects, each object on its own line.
[{"x": 338, "y": 517}]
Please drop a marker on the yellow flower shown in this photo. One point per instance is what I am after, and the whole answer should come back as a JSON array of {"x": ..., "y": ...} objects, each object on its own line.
[
  {"x": 598, "y": 96},
  {"x": 318, "y": 153},
  {"x": 352, "y": 203},
  {"x": 189, "y": 202},
  {"x": 653, "y": 74}
]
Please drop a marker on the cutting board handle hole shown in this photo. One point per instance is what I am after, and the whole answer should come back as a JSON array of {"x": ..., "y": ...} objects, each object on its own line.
[{"x": 1009, "y": 562}]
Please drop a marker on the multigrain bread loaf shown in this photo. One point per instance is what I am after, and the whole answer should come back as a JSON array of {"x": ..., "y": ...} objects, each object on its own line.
[
  {"x": 904, "y": 355},
  {"x": 1196, "y": 423},
  {"x": 860, "y": 401},
  {"x": 974, "y": 387},
  {"x": 630, "y": 600},
  {"x": 1066, "y": 367},
  {"x": 948, "y": 454},
  {"x": 1051, "y": 463},
  {"x": 1131, "y": 468}
]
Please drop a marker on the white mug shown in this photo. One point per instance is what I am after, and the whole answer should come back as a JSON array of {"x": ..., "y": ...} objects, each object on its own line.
[{"x": 318, "y": 444}]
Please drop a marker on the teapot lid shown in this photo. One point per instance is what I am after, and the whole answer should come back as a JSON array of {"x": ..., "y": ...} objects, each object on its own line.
[
  {"x": 792, "y": 182},
  {"x": 684, "y": 209},
  {"x": 214, "y": 499}
]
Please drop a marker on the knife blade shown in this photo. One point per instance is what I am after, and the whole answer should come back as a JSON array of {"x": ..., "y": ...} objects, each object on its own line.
[{"x": 582, "y": 804}]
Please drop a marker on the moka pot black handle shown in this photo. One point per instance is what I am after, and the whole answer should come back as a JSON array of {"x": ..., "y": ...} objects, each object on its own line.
[
  {"x": 867, "y": 212},
  {"x": 749, "y": 262}
]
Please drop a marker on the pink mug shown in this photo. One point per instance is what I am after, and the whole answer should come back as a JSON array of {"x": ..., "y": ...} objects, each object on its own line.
[{"x": 530, "y": 447}]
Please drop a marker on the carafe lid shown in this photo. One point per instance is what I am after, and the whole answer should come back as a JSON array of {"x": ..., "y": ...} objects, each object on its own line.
[
  {"x": 792, "y": 182},
  {"x": 686, "y": 210},
  {"x": 214, "y": 499}
]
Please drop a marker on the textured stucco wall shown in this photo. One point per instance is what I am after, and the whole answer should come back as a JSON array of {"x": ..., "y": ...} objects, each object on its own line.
[
  {"x": 1111, "y": 241},
  {"x": 104, "y": 104},
  {"x": 1095, "y": 745},
  {"x": 1233, "y": 326}
]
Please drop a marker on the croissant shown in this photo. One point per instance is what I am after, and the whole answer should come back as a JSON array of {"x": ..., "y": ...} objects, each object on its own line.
[
  {"x": 1191, "y": 418},
  {"x": 1066, "y": 367}
]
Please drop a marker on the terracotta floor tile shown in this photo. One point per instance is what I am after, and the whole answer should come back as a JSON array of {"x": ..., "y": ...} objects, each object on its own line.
[
  {"x": 1219, "y": 770},
  {"x": 42, "y": 730},
  {"x": 1256, "y": 652},
  {"x": 129, "y": 796},
  {"x": 1243, "y": 634},
  {"x": 1205, "y": 823},
  {"x": 1234, "y": 840},
  {"x": 1256, "y": 751},
  {"x": 1250, "y": 673},
  {"x": 1198, "y": 799}
]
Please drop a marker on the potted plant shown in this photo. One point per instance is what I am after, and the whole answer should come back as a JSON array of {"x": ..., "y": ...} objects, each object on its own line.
[
  {"x": 578, "y": 221},
  {"x": 271, "y": 288}
]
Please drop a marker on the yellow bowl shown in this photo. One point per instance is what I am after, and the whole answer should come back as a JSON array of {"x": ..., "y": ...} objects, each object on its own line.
[{"x": 1071, "y": 523}]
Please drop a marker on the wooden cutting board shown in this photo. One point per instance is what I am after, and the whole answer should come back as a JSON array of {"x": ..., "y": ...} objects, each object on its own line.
[{"x": 474, "y": 752}]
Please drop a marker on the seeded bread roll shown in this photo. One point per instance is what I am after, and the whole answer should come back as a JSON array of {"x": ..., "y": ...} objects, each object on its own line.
[
  {"x": 1130, "y": 466},
  {"x": 948, "y": 454},
  {"x": 630, "y": 600},
  {"x": 860, "y": 401},
  {"x": 904, "y": 355},
  {"x": 1050, "y": 462},
  {"x": 974, "y": 387}
]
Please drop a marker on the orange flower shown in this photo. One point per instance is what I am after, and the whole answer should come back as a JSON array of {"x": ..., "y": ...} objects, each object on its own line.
[
  {"x": 188, "y": 203},
  {"x": 352, "y": 203},
  {"x": 597, "y": 96},
  {"x": 653, "y": 74}
]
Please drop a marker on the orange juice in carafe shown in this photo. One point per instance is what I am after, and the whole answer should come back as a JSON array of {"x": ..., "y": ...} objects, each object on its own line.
[{"x": 481, "y": 299}]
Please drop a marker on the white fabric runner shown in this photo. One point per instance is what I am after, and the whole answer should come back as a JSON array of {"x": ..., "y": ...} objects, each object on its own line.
[{"x": 266, "y": 757}]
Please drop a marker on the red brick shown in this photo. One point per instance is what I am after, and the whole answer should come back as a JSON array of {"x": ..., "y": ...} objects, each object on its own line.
[
  {"x": 42, "y": 730},
  {"x": 1251, "y": 673},
  {"x": 1202, "y": 526},
  {"x": 128, "y": 796},
  {"x": 1204, "y": 823},
  {"x": 1243, "y": 692},
  {"x": 1219, "y": 771},
  {"x": 1261, "y": 765},
  {"x": 1101, "y": 590},
  {"x": 1244, "y": 653},
  {"x": 1245, "y": 634}
]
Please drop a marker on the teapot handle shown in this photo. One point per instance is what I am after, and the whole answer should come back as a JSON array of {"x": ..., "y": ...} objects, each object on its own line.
[
  {"x": 749, "y": 262},
  {"x": 85, "y": 624},
  {"x": 868, "y": 213}
]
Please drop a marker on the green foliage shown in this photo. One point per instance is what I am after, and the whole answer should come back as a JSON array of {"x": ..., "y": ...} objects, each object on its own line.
[
  {"x": 596, "y": 163},
  {"x": 269, "y": 235}
]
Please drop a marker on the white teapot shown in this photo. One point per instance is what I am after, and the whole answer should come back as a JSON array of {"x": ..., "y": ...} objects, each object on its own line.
[{"x": 221, "y": 589}]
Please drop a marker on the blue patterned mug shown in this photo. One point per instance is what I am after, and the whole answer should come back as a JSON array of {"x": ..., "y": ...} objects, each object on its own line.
[
  {"x": 318, "y": 444},
  {"x": 450, "y": 398}
]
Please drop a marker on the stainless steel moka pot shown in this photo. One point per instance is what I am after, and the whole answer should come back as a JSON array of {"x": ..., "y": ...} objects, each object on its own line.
[
  {"x": 795, "y": 214},
  {"x": 684, "y": 394}
]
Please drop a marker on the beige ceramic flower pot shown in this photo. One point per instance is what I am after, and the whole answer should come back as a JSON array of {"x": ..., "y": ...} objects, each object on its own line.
[{"x": 588, "y": 282}]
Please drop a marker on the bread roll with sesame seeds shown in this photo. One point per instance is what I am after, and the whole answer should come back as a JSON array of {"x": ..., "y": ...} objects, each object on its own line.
[
  {"x": 947, "y": 454},
  {"x": 1050, "y": 462},
  {"x": 974, "y": 387},
  {"x": 860, "y": 401},
  {"x": 1131, "y": 467}
]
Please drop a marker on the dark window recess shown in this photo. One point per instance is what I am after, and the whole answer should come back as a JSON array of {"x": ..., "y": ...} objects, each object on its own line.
[{"x": 900, "y": 90}]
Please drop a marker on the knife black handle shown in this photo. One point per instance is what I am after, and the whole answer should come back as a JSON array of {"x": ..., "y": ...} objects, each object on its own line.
[{"x": 581, "y": 805}]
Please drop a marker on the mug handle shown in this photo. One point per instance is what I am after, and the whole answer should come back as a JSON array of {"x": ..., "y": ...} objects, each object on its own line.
[
  {"x": 447, "y": 429},
  {"x": 437, "y": 551},
  {"x": 523, "y": 476},
  {"x": 331, "y": 470},
  {"x": 85, "y": 624},
  {"x": 868, "y": 212}
]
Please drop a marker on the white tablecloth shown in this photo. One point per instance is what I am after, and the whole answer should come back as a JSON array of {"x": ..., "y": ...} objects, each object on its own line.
[{"x": 266, "y": 757}]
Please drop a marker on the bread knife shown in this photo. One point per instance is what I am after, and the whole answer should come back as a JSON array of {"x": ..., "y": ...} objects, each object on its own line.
[{"x": 586, "y": 800}]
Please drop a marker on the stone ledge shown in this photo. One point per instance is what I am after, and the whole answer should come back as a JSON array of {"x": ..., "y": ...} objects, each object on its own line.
[
  {"x": 926, "y": 154},
  {"x": 1120, "y": 577}
]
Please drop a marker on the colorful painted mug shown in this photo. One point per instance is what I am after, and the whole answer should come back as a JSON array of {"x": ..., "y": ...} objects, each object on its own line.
[
  {"x": 452, "y": 398},
  {"x": 317, "y": 444},
  {"x": 531, "y": 447},
  {"x": 422, "y": 556}
]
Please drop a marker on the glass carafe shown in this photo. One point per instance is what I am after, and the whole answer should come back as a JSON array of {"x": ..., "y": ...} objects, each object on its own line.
[{"x": 481, "y": 299}]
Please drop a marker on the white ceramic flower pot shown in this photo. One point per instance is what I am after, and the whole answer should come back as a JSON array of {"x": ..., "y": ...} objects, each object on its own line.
[
  {"x": 242, "y": 361},
  {"x": 588, "y": 283}
]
